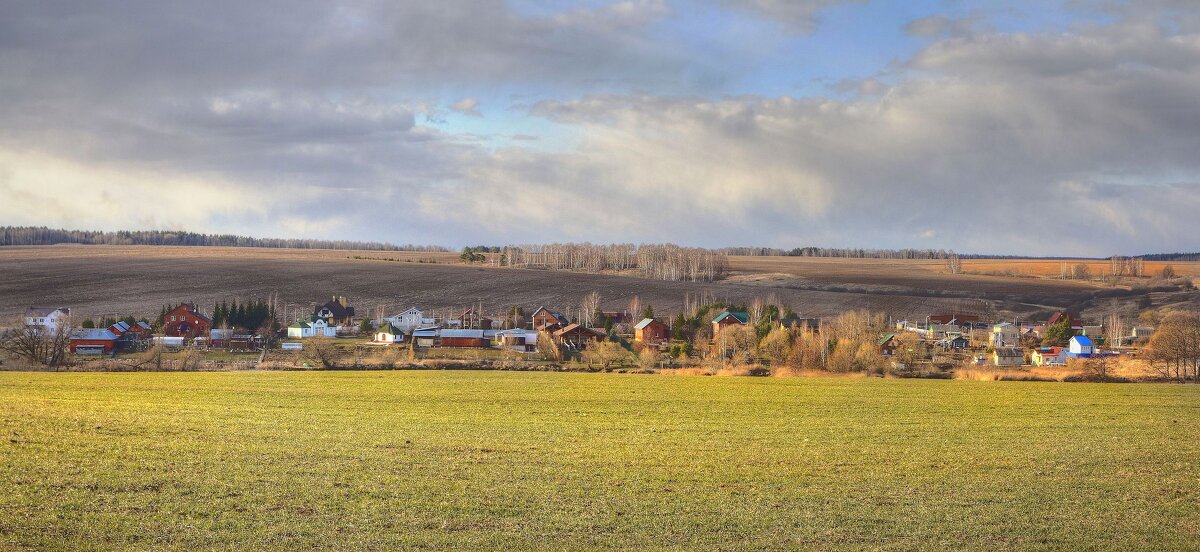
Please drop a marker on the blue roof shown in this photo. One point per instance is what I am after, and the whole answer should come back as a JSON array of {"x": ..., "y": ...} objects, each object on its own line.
[{"x": 1082, "y": 340}]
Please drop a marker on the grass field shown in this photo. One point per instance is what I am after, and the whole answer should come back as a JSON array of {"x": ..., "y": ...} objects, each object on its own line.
[{"x": 488, "y": 460}]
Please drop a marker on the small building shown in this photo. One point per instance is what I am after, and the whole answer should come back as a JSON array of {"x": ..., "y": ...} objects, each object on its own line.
[
  {"x": 473, "y": 319},
  {"x": 336, "y": 312},
  {"x": 313, "y": 327},
  {"x": 728, "y": 318},
  {"x": 49, "y": 320},
  {"x": 548, "y": 320},
  {"x": 387, "y": 335},
  {"x": 1005, "y": 335},
  {"x": 953, "y": 343},
  {"x": 616, "y": 317},
  {"x": 1080, "y": 346},
  {"x": 577, "y": 337},
  {"x": 186, "y": 320},
  {"x": 887, "y": 345},
  {"x": 1008, "y": 356},
  {"x": 650, "y": 330},
  {"x": 425, "y": 336},
  {"x": 517, "y": 339},
  {"x": 1048, "y": 356},
  {"x": 463, "y": 339}
]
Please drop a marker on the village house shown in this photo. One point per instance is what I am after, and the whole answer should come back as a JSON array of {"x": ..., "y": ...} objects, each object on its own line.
[
  {"x": 651, "y": 331},
  {"x": 1081, "y": 346},
  {"x": 48, "y": 320},
  {"x": 577, "y": 337},
  {"x": 1008, "y": 356},
  {"x": 409, "y": 320},
  {"x": 336, "y": 312},
  {"x": 887, "y": 345},
  {"x": 616, "y": 317},
  {"x": 1005, "y": 335},
  {"x": 728, "y": 318},
  {"x": 313, "y": 327},
  {"x": 186, "y": 320},
  {"x": 547, "y": 320},
  {"x": 387, "y": 335},
  {"x": 953, "y": 343},
  {"x": 1048, "y": 356},
  {"x": 811, "y": 325}
]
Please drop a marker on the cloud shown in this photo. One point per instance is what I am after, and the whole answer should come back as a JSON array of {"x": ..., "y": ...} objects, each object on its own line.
[
  {"x": 467, "y": 106},
  {"x": 320, "y": 119},
  {"x": 797, "y": 15}
]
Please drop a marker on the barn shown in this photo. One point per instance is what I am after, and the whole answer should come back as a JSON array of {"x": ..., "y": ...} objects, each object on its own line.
[{"x": 463, "y": 339}]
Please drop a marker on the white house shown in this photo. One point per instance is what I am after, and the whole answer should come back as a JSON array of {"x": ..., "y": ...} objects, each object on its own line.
[
  {"x": 1005, "y": 335},
  {"x": 386, "y": 334},
  {"x": 409, "y": 320},
  {"x": 312, "y": 328},
  {"x": 1081, "y": 347},
  {"x": 47, "y": 319}
]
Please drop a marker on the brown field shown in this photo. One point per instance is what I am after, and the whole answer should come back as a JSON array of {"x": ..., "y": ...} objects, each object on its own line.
[{"x": 110, "y": 280}]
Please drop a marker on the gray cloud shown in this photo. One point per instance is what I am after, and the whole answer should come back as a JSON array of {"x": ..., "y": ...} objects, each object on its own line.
[{"x": 327, "y": 120}]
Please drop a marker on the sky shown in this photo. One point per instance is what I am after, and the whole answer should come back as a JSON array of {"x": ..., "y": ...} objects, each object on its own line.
[{"x": 1017, "y": 127}]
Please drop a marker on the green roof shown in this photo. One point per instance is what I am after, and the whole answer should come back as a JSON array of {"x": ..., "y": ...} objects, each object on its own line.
[
  {"x": 883, "y": 340},
  {"x": 741, "y": 316},
  {"x": 387, "y": 329}
]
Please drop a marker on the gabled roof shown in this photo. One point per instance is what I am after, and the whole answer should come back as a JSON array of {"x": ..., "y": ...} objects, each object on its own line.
[
  {"x": 193, "y": 309},
  {"x": 883, "y": 340},
  {"x": 576, "y": 327},
  {"x": 742, "y": 317},
  {"x": 557, "y": 315},
  {"x": 40, "y": 312},
  {"x": 336, "y": 309},
  {"x": 1083, "y": 340},
  {"x": 94, "y": 334},
  {"x": 644, "y": 323},
  {"x": 1009, "y": 352},
  {"x": 387, "y": 328}
]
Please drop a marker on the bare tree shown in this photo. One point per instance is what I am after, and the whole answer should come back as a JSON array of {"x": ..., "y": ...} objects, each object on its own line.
[
  {"x": 589, "y": 307},
  {"x": 953, "y": 263},
  {"x": 38, "y": 345},
  {"x": 322, "y": 351}
]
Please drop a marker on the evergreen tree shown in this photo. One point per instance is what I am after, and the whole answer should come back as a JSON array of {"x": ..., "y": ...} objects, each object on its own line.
[{"x": 648, "y": 312}]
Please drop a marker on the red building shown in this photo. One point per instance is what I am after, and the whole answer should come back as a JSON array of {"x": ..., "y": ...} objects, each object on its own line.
[
  {"x": 650, "y": 330},
  {"x": 186, "y": 321}
]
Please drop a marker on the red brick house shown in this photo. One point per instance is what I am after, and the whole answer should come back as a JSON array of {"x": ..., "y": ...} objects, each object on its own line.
[
  {"x": 650, "y": 330},
  {"x": 186, "y": 320}
]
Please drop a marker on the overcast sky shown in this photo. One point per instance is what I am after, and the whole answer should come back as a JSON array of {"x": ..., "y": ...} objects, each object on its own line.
[{"x": 1041, "y": 128}]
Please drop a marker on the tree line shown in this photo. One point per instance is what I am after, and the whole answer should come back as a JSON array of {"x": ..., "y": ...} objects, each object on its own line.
[
  {"x": 41, "y": 235},
  {"x": 656, "y": 261}
]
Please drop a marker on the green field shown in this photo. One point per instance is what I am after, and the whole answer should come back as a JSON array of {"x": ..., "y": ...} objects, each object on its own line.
[{"x": 489, "y": 460}]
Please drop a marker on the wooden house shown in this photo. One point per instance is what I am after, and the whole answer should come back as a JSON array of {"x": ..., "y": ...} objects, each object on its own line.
[
  {"x": 650, "y": 330},
  {"x": 887, "y": 345},
  {"x": 728, "y": 318},
  {"x": 577, "y": 337},
  {"x": 546, "y": 319}
]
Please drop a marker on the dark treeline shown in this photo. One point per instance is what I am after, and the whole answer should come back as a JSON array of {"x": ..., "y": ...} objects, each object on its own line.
[
  {"x": 844, "y": 252},
  {"x": 31, "y": 235},
  {"x": 1172, "y": 257}
]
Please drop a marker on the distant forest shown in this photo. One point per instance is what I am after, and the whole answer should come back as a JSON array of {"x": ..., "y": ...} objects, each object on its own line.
[
  {"x": 1172, "y": 257},
  {"x": 30, "y": 235}
]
